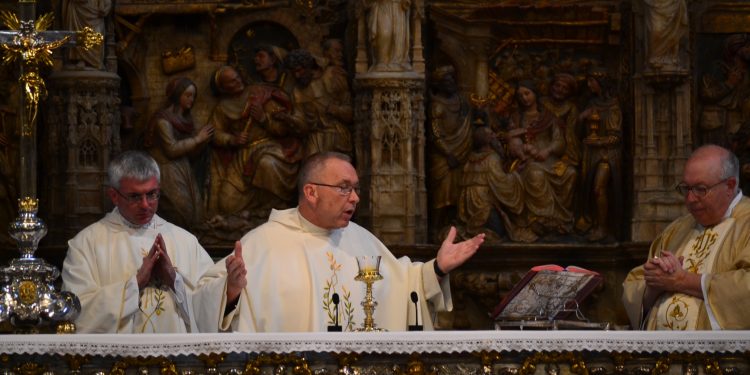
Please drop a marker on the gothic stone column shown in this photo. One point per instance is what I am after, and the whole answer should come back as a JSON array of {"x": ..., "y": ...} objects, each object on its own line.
[
  {"x": 663, "y": 139},
  {"x": 389, "y": 143},
  {"x": 82, "y": 132}
]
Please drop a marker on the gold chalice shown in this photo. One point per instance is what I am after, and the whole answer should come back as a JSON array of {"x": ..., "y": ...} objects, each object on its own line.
[{"x": 369, "y": 272}]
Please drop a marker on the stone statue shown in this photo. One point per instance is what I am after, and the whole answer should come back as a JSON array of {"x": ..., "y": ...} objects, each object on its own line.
[
  {"x": 667, "y": 25},
  {"x": 449, "y": 137},
  {"x": 536, "y": 139},
  {"x": 560, "y": 102},
  {"x": 255, "y": 155},
  {"x": 723, "y": 90},
  {"x": 491, "y": 200},
  {"x": 322, "y": 105},
  {"x": 178, "y": 146},
  {"x": 388, "y": 30},
  {"x": 77, "y": 14},
  {"x": 602, "y": 163}
]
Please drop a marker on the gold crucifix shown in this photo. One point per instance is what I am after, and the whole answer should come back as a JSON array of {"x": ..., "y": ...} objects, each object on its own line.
[{"x": 30, "y": 43}]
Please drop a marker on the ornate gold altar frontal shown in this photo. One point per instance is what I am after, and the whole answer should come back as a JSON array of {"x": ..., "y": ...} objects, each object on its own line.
[{"x": 440, "y": 352}]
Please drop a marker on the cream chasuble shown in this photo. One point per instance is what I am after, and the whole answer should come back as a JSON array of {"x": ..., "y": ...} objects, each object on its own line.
[
  {"x": 293, "y": 269},
  {"x": 100, "y": 268},
  {"x": 679, "y": 311},
  {"x": 721, "y": 255}
]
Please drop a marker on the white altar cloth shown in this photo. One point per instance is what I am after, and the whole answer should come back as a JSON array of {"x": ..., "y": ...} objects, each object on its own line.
[{"x": 147, "y": 345}]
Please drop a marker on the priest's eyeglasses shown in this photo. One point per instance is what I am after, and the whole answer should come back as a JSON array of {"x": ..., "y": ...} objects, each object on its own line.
[
  {"x": 133, "y": 198},
  {"x": 699, "y": 191},
  {"x": 344, "y": 190}
]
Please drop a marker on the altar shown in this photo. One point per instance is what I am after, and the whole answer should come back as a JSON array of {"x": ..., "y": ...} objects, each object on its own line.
[{"x": 439, "y": 352}]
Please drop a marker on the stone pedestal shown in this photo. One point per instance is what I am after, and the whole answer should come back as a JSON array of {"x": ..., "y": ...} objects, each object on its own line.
[
  {"x": 81, "y": 133},
  {"x": 389, "y": 144}
]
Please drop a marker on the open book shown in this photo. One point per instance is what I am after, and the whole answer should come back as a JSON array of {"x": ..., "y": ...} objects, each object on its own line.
[{"x": 547, "y": 292}]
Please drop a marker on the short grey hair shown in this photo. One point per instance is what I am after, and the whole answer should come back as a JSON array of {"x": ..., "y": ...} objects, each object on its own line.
[
  {"x": 312, "y": 166},
  {"x": 137, "y": 165}
]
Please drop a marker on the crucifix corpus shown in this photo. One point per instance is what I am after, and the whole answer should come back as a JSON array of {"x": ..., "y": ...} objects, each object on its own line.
[{"x": 28, "y": 299}]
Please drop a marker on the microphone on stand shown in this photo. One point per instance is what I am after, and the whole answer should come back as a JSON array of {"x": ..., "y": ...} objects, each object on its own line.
[
  {"x": 335, "y": 327},
  {"x": 416, "y": 326}
]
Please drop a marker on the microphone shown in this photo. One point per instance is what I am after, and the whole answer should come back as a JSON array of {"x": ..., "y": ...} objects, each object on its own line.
[
  {"x": 416, "y": 326},
  {"x": 335, "y": 327}
]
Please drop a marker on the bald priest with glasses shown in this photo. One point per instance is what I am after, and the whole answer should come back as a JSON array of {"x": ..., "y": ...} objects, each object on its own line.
[
  {"x": 133, "y": 271},
  {"x": 302, "y": 265},
  {"x": 697, "y": 276}
]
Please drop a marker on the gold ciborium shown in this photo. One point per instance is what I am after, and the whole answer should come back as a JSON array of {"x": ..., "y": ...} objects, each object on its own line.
[{"x": 369, "y": 272}]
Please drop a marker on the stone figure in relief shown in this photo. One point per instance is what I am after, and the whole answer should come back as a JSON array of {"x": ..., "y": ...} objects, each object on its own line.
[
  {"x": 561, "y": 103},
  {"x": 178, "y": 145},
  {"x": 667, "y": 25},
  {"x": 388, "y": 31},
  {"x": 601, "y": 174},
  {"x": 449, "y": 136},
  {"x": 322, "y": 105},
  {"x": 334, "y": 69},
  {"x": 77, "y": 14},
  {"x": 269, "y": 67},
  {"x": 491, "y": 200},
  {"x": 536, "y": 139},
  {"x": 333, "y": 51},
  {"x": 255, "y": 155},
  {"x": 724, "y": 90}
]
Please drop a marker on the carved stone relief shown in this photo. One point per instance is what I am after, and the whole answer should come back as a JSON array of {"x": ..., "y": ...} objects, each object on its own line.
[
  {"x": 492, "y": 61},
  {"x": 83, "y": 124},
  {"x": 491, "y": 47}
]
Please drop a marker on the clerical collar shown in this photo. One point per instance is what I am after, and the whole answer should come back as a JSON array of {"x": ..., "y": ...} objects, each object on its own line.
[
  {"x": 310, "y": 227},
  {"x": 731, "y": 207},
  {"x": 128, "y": 224}
]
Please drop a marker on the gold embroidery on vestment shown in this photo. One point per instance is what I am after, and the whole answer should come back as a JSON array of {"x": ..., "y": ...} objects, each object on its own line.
[
  {"x": 700, "y": 250},
  {"x": 346, "y": 308}
]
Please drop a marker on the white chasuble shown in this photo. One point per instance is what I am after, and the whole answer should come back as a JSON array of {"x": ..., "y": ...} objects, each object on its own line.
[
  {"x": 680, "y": 311},
  {"x": 294, "y": 268},
  {"x": 100, "y": 268}
]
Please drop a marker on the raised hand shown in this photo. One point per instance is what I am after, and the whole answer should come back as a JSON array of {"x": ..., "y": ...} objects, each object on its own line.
[
  {"x": 451, "y": 255},
  {"x": 236, "y": 273}
]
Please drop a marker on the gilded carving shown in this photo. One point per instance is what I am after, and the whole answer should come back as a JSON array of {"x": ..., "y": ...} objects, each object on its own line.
[
  {"x": 573, "y": 359},
  {"x": 165, "y": 366},
  {"x": 30, "y": 368},
  {"x": 174, "y": 61},
  {"x": 298, "y": 364},
  {"x": 414, "y": 366}
]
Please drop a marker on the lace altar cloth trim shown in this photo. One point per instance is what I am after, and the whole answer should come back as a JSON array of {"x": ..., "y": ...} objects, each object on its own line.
[{"x": 132, "y": 345}]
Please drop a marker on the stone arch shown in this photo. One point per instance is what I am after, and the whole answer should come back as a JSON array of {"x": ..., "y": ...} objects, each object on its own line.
[
  {"x": 89, "y": 154},
  {"x": 308, "y": 35},
  {"x": 241, "y": 47}
]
